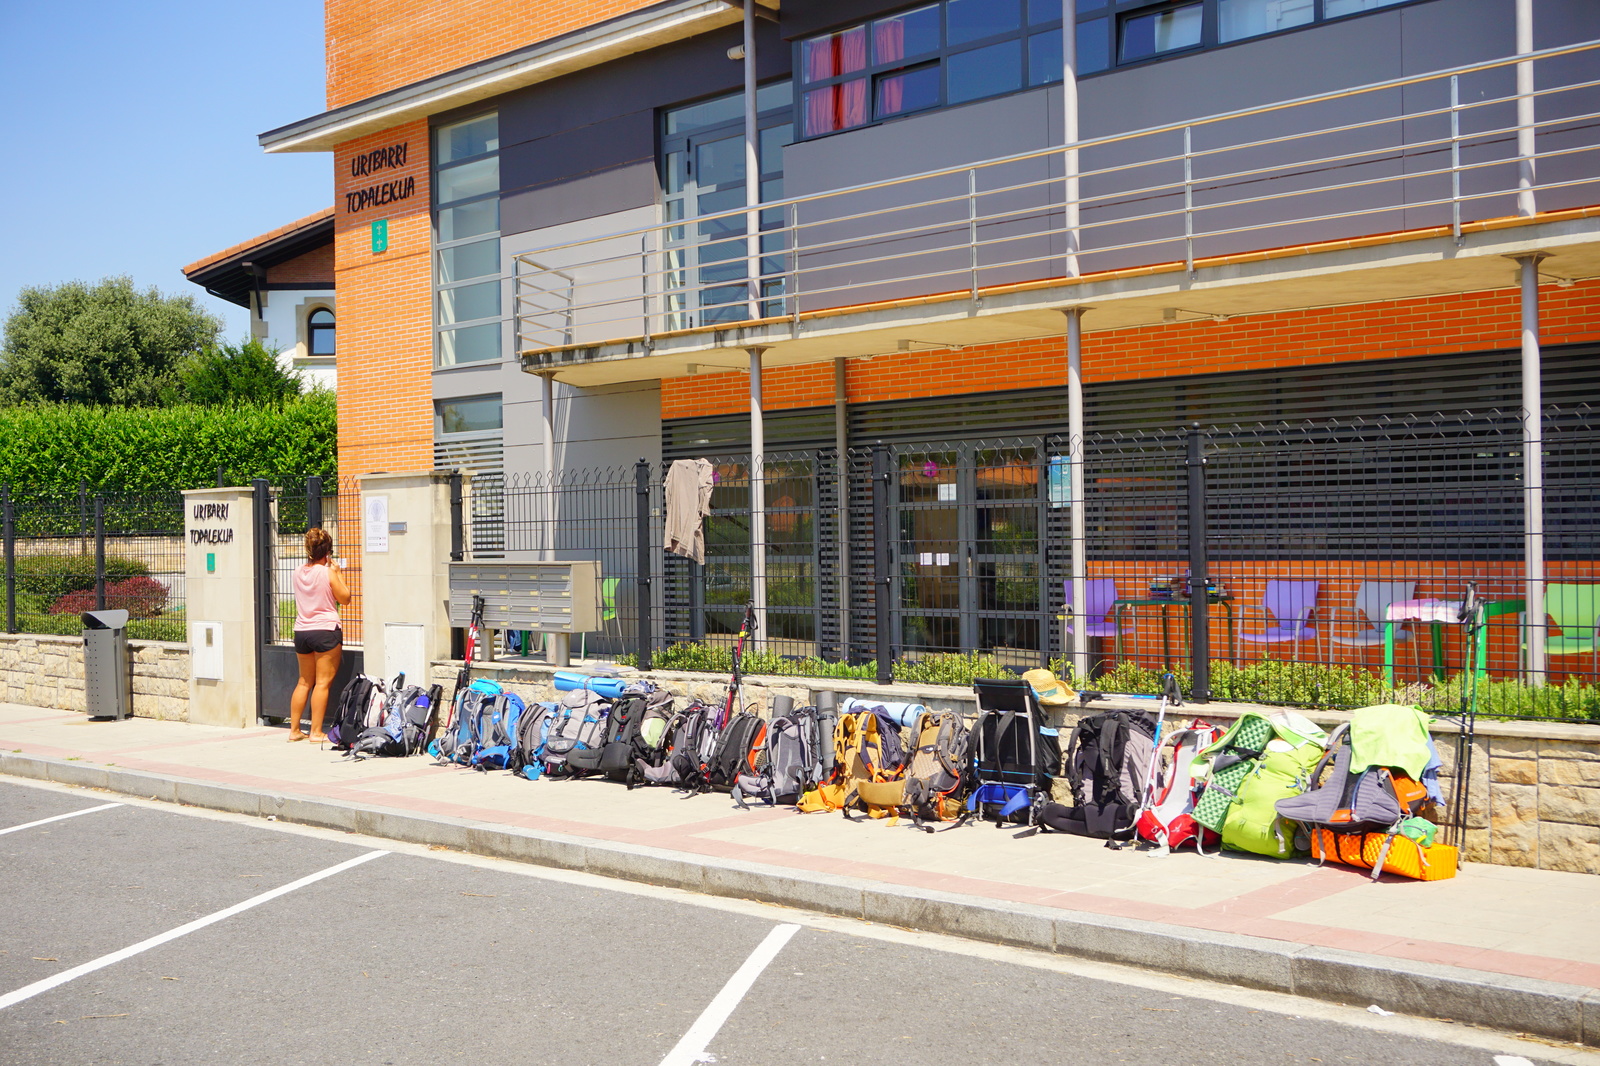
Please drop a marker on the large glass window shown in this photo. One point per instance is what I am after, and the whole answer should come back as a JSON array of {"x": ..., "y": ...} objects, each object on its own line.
[
  {"x": 479, "y": 414},
  {"x": 468, "y": 272},
  {"x": 954, "y": 51},
  {"x": 927, "y": 56}
]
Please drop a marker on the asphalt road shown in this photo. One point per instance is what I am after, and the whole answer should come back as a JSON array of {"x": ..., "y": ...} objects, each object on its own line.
[{"x": 420, "y": 957}]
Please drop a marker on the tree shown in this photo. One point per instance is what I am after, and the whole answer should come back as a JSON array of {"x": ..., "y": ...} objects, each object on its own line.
[
  {"x": 101, "y": 344},
  {"x": 248, "y": 372}
]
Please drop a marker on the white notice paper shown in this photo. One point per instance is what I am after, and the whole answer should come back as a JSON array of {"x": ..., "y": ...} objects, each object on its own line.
[
  {"x": 944, "y": 558},
  {"x": 376, "y": 523},
  {"x": 947, "y": 493},
  {"x": 926, "y": 558}
]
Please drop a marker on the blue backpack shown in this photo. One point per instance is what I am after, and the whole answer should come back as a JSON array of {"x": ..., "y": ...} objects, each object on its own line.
[
  {"x": 459, "y": 741},
  {"x": 495, "y": 731}
]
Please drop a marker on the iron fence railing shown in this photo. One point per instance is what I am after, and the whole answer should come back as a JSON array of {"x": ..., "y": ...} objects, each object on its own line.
[
  {"x": 1334, "y": 554},
  {"x": 1441, "y": 149},
  {"x": 333, "y": 504},
  {"x": 93, "y": 549}
]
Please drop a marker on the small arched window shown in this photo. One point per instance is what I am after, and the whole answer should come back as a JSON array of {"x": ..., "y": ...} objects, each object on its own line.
[{"x": 321, "y": 330}]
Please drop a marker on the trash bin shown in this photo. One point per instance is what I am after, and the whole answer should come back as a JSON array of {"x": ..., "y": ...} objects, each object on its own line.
[{"x": 107, "y": 688}]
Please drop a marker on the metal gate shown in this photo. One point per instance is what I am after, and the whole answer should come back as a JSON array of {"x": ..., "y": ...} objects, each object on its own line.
[{"x": 283, "y": 514}]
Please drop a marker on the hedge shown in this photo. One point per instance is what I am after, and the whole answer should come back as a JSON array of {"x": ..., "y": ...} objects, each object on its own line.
[{"x": 52, "y": 448}]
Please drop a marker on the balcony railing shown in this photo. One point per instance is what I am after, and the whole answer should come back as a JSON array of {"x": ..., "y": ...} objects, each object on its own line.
[{"x": 1436, "y": 151}]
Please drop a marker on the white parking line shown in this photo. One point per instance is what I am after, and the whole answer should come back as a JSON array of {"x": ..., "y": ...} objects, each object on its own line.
[
  {"x": 693, "y": 1045},
  {"x": 57, "y": 818},
  {"x": 29, "y": 991}
]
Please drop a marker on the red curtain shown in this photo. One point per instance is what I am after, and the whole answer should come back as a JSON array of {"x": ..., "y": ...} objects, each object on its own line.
[
  {"x": 844, "y": 52},
  {"x": 889, "y": 40},
  {"x": 836, "y": 107}
]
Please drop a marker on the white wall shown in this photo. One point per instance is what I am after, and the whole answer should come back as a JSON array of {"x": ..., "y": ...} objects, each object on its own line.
[{"x": 282, "y": 325}]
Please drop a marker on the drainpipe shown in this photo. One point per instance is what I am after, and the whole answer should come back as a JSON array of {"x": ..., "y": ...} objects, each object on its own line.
[
  {"x": 1069, "y": 119},
  {"x": 1525, "y": 116},
  {"x": 758, "y": 497},
  {"x": 1532, "y": 466}
]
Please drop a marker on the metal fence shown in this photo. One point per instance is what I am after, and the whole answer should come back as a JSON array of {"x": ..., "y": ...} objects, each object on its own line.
[
  {"x": 1335, "y": 555},
  {"x": 293, "y": 508},
  {"x": 66, "y": 553}
]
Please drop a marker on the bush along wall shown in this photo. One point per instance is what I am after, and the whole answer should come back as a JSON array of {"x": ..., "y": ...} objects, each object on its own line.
[{"x": 55, "y": 448}]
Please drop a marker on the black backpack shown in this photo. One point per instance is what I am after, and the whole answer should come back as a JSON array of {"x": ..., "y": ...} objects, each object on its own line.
[
  {"x": 1108, "y": 763},
  {"x": 738, "y": 749},
  {"x": 622, "y": 732},
  {"x": 1014, "y": 754},
  {"x": 405, "y": 723},
  {"x": 360, "y": 707}
]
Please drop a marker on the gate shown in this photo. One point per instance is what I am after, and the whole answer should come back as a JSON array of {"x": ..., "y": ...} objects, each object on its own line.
[{"x": 283, "y": 514}]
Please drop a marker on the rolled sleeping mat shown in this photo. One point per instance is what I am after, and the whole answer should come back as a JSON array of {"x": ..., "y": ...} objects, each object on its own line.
[
  {"x": 609, "y": 687},
  {"x": 827, "y": 701},
  {"x": 904, "y": 714},
  {"x": 781, "y": 705}
]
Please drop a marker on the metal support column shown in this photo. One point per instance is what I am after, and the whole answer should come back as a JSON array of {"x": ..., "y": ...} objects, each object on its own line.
[
  {"x": 882, "y": 585},
  {"x": 99, "y": 553},
  {"x": 1526, "y": 204},
  {"x": 458, "y": 532},
  {"x": 547, "y": 409},
  {"x": 1199, "y": 571},
  {"x": 313, "y": 503},
  {"x": 8, "y": 511},
  {"x": 1069, "y": 120},
  {"x": 752, "y": 175},
  {"x": 1078, "y": 651},
  {"x": 758, "y": 497},
  {"x": 643, "y": 544},
  {"x": 1532, "y": 466}
]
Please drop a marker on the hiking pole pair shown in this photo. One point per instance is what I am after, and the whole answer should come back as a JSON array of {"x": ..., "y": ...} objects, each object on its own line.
[
  {"x": 747, "y": 628},
  {"x": 1472, "y": 620},
  {"x": 463, "y": 676}
]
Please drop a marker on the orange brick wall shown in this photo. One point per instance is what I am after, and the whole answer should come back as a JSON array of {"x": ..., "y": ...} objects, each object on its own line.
[
  {"x": 312, "y": 268},
  {"x": 372, "y": 49},
  {"x": 1471, "y": 322},
  {"x": 385, "y": 318}
]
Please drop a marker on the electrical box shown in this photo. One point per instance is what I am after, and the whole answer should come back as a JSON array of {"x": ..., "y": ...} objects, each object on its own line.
[{"x": 205, "y": 650}]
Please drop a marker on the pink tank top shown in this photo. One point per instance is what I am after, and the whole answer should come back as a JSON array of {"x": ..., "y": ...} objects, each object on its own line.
[{"x": 314, "y": 606}]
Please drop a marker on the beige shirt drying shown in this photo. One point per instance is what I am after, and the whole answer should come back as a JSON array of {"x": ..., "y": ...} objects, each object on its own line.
[{"x": 688, "y": 503}]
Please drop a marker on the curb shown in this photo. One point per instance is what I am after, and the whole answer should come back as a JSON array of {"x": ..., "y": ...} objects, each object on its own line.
[{"x": 1540, "y": 1008}]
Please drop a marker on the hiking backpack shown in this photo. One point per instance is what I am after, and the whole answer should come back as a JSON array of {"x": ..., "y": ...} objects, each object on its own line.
[
  {"x": 1261, "y": 759},
  {"x": 361, "y": 706},
  {"x": 936, "y": 772},
  {"x": 1014, "y": 754},
  {"x": 1168, "y": 819},
  {"x": 660, "y": 728},
  {"x": 623, "y": 720},
  {"x": 1108, "y": 761},
  {"x": 740, "y": 747},
  {"x": 405, "y": 723},
  {"x": 458, "y": 743},
  {"x": 533, "y": 729},
  {"x": 495, "y": 731},
  {"x": 694, "y": 747},
  {"x": 577, "y": 731}
]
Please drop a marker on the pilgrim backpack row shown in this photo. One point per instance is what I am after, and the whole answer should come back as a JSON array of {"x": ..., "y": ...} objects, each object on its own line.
[
  {"x": 877, "y": 772},
  {"x": 403, "y": 728}
]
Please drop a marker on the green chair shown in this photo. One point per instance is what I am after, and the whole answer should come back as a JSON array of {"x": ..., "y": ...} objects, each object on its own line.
[
  {"x": 608, "y": 612},
  {"x": 1576, "y": 609}
]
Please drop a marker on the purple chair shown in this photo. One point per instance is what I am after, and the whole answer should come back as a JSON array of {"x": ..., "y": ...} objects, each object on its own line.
[
  {"x": 1287, "y": 607},
  {"x": 1100, "y": 594}
]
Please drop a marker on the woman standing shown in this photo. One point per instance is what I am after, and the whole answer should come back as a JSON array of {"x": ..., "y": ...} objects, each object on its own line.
[{"x": 319, "y": 587}]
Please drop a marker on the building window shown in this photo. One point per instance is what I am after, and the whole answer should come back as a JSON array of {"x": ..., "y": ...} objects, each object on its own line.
[
  {"x": 320, "y": 333},
  {"x": 702, "y": 173},
  {"x": 929, "y": 56},
  {"x": 468, "y": 273},
  {"x": 954, "y": 51},
  {"x": 468, "y": 435}
]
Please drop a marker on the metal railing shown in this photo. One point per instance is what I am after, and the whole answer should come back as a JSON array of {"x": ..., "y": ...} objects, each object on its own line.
[
  {"x": 1444, "y": 153},
  {"x": 66, "y": 553},
  {"x": 904, "y": 554}
]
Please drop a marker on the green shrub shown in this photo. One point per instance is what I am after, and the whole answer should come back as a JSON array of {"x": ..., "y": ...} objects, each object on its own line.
[
  {"x": 51, "y": 448},
  {"x": 51, "y": 575}
]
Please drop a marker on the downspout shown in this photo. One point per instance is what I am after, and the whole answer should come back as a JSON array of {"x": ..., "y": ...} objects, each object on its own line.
[{"x": 1079, "y": 648}]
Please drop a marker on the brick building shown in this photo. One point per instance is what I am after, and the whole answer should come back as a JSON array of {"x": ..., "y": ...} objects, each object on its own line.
[{"x": 1276, "y": 211}]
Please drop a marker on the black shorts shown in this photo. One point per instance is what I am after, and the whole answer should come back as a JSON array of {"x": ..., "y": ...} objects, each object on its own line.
[{"x": 317, "y": 641}]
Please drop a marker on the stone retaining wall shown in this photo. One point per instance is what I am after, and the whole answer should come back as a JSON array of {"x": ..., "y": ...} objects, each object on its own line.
[
  {"x": 1534, "y": 800},
  {"x": 47, "y": 671}
]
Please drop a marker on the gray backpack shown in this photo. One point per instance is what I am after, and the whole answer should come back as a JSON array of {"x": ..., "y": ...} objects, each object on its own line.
[{"x": 788, "y": 761}]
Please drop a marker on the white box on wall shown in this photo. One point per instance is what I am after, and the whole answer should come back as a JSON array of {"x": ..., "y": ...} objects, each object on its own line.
[
  {"x": 205, "y": 650},
  {"x": 402, "y": 653}
]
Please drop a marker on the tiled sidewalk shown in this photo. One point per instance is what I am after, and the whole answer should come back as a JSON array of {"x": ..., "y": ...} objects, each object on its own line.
[{"x": 1528, "y": 923}]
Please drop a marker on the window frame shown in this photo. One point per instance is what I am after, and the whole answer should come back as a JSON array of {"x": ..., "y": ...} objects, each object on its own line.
[
  {"x": 313, "y": 328},
  {"x": 437, "y": 247}
]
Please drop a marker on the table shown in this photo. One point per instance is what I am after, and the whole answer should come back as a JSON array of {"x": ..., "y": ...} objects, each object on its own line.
[
  {"x": 1133, "y": 603},
  {"x": 1437, "y": 613}
]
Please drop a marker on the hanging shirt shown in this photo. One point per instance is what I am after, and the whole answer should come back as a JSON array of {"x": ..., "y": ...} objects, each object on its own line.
[{"x": 688, "y": 503}]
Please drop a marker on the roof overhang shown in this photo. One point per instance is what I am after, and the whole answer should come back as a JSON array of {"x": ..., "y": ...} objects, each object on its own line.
[
  {"x": 653, "y": 27},
  {"x": 227, "y": 275}
]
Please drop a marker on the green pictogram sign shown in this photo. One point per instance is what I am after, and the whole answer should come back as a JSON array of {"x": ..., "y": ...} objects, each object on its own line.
[{"x": 380, "y": 235}]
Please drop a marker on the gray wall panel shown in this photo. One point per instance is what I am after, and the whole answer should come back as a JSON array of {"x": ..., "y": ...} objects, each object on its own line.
[{"x": 594, "y": 195}]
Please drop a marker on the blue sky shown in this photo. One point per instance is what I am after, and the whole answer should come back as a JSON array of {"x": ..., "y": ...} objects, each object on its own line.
[{"x": 130, "y": 134}]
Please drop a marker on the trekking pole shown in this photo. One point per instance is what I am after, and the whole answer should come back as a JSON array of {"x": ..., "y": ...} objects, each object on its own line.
[
  {"x": 463, "y": 676},
  {"x": 1471, "y": 618},
  {"x": 746, "y": 628}
]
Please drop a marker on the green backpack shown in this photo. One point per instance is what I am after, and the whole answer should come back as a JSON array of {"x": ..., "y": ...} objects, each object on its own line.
[{"x": 1262, "y": 759}]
